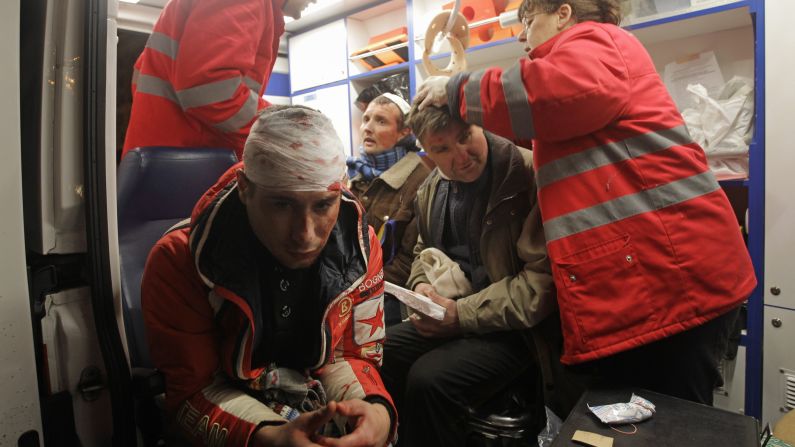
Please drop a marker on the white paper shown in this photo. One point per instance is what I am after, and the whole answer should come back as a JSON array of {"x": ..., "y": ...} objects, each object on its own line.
[
  {"x": 414, "y": 300},
  {"x": 696, "y": 69}
]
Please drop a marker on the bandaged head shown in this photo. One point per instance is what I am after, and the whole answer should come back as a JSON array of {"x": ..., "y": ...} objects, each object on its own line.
[
  {"x": 398, "y": 101},
  {"x": 294, "y": 148}
]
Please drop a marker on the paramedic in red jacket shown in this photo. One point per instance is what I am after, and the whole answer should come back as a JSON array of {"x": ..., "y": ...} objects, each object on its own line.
[
  {"x": 200, "y": 79},
  {"x": 647, "y": 255},
  {"x": 275, "y": 286}
]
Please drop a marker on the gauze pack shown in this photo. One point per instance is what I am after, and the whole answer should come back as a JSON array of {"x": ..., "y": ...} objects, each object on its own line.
[{"x": 638, "y": 409}]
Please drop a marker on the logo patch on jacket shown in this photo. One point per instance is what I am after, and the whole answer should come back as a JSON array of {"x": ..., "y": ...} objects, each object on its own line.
[{"x": 368, "y": 319}]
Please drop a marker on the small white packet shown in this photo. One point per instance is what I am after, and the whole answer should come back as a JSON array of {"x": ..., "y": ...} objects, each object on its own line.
[
  {"x": 638, "y": 409},
  {"x": 414, "y": 300}
]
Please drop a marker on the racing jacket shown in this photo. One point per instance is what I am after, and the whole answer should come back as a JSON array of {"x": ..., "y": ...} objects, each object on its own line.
[
  {"x": 642, "y": 239},
  {"x": 200, "y": 79},
  {"x": 201, "y": 301}
]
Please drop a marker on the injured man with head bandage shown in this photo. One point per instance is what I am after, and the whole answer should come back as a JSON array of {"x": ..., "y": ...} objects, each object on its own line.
[{"x": 266, "y": 313}]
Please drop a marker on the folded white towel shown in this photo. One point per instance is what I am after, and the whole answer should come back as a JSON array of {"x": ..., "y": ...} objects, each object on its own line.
[{"x": 444, "y": 274}]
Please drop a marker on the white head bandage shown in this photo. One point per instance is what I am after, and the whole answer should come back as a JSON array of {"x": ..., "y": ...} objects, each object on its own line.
[
  {"x": 398, "y": 101},
  {"x": 294, "y": 148}
]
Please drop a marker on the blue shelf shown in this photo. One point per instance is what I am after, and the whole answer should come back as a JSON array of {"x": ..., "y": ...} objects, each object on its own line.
[
  {"x": 318, "y": 87},
  {"x": 734, "y": 183},
  {"x": 687, "y": 15},
  {"x": 476, "y": 48},
  {"x": 729, "y": 19},
  {"x": 380, "y": 72}
]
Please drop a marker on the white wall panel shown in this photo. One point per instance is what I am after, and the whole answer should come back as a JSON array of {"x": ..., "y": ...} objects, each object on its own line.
[
  {"x": 318, "y": 56},
  {"x": 19, "y": 394}
]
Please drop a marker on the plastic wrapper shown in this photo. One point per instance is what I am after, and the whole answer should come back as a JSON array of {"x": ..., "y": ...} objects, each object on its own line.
[
  {"x": 397, "y": 84},
  {"x": 638, "y": 409},
  {"x": 551, "y": 429},
  {"x": 414, "y": 300},
  {"x": 723, "y": 125}
]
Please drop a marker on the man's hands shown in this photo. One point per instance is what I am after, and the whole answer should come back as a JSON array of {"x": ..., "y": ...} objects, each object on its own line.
[
  {"x": 300, "y": 432},
  {"x": 370, "y": 423},
  {"x": 427, "y": 326},
  {"x": 433, "y": 92}
]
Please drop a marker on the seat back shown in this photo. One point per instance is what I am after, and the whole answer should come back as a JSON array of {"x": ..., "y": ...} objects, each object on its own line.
[
  {"x": 156, "y": 188},
  {"x": 389, "y": 242}
]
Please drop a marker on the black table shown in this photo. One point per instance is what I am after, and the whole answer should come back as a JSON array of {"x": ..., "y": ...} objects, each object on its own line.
[{"x": 677, "y": 423}]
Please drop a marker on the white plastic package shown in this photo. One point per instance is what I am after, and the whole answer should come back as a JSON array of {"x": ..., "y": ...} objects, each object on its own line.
[
  {"x": 414, "y": 300},
  {"x": 723, "y": 125},
  {"x": 638, "y": 409}
]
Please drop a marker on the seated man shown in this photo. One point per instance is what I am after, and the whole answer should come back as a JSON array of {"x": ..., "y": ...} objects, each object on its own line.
[
  {"x": 478, "y": 208},
  {"x": 255, "y": 312},
  {"x": 388, "y": 174}
]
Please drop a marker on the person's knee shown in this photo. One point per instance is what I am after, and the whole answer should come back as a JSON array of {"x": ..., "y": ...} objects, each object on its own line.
[{"x": 425, "y": 380}]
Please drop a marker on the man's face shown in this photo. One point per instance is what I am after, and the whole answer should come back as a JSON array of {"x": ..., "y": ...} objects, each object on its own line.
[
  {"x": 293, "y": 8},
  {"x": 294, "y": 226},
  {"x": 379, "y": 128},
  {"x": 460, "y": 151}
]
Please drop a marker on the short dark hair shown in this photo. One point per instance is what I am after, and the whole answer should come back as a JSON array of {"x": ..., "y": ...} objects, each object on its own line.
[
  {"x": 602, "y": 11},
  {"x": 431, "y": 119}
]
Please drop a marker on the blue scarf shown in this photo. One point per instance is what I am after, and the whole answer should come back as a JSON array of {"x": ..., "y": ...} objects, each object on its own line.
[{"x": 371, "y": 166}]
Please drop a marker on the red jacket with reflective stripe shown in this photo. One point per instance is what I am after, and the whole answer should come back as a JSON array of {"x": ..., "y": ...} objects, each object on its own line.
[
  {"x": 643, "y": 241},
  {"x": 199, "y": 293},
  {"x": 199, "y": 82}
]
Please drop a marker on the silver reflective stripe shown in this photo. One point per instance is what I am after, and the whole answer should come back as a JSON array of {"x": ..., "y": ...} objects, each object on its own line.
[
  {"x": 164, "y": 44},
  {"x": 252, "y": 84},
  {"x": 611, "y": 153},
  {"x": 243, "y": 116},
  {"x": 630, "y": 205},
  {"x": 519, "y": 110},
  {"x": 155, "y": 86},
  {"x": 472, "y": 96},
  {"x": 135, "y": 75},
  {"x": 209, "y": 93}
]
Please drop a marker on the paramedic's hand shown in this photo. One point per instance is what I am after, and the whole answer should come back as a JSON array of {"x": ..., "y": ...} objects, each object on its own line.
[
  {"x": 299, "y": 432},
  {"x": 370, "y": 423},
  {"x": 427, "y": 326},
  {"x": 432, "y": 92}
]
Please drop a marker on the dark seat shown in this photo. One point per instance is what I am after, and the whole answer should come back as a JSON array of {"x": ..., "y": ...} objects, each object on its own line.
[
  {"x": 157, "y": 187},
  {"x": 511, "y": 418}
]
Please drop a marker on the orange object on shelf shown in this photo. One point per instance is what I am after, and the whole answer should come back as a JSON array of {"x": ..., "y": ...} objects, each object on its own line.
[
  {"x": 385, "y": 58},
  {"x": 477, "y": 10}
]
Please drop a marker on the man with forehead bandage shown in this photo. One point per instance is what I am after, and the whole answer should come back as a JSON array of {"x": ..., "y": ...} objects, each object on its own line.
[
  {"x": 265, "y": 313},
  {"x": 388, "y": 173}
]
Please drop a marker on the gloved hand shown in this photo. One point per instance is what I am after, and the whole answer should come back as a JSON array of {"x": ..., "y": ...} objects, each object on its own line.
[{"x": 432, "y": 92}]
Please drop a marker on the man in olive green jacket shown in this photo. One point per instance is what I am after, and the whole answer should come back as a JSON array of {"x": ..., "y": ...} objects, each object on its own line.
[{"x": 479, "y": 208}]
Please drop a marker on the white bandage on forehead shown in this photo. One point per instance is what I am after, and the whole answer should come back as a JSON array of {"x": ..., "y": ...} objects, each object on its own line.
[
  {"x": 398, "y": 101},
  {"x": 294, "y": 148}
]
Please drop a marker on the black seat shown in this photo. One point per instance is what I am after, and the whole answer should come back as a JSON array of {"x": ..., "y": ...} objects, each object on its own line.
[
  {"x": 157, "y": 187},
  {"x": 511, "y": 418}
]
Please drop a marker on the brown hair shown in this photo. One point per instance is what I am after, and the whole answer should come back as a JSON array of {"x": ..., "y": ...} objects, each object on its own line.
[
  {"x": 383, "y": 101},
  {"x": 603, "y": 11},
  {"x": 430, "y": 119}
]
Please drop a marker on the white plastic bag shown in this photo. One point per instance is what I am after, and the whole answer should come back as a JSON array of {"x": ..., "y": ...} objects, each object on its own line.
[{"x": 723, "y": 126}]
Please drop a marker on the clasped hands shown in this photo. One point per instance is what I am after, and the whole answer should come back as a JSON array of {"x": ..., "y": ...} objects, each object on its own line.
[{"x": 370, "y": 425}]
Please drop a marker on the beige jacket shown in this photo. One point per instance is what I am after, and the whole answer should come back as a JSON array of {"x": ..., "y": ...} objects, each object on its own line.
[
  {"x": 512, "y": 246},
  {"x": 391, "y": 196}
]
